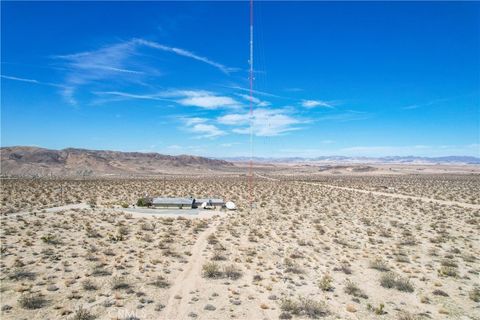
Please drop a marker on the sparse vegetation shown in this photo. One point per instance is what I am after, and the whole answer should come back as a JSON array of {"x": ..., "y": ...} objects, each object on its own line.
[
  {"x": 279, "y": 258},
  {"x": 32, "y": 301},
  {"x": 305, "y": 307}
]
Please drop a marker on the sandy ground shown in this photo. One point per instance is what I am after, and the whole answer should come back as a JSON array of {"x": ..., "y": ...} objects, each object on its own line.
[
  {"x": 331, "y": 249},
  {"x": 394, "y": 195}
]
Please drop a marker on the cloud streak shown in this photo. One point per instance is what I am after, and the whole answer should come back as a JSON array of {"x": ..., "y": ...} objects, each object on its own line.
[
  {"x": 185, "y": 53},
  {"x": 195, "y": 98},
  {"x": 315, "y": 103},
  {"x": 202, "y": 128},
  {"x": 118, "y": 63},
  {"x": 31, "y": 81},
  {"x": 265, "y": 122}
]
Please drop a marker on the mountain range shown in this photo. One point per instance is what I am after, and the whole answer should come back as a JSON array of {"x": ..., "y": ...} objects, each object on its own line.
[
  {"x": 33, "y": 161},
  {"x": 363, "y": 160}
]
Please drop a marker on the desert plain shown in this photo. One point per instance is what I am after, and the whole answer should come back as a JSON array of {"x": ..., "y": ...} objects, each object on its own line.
[{"x": 341, "y": 243}]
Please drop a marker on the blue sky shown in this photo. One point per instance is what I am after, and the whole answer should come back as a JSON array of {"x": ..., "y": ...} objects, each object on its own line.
[{"x": 332, "y": 78}]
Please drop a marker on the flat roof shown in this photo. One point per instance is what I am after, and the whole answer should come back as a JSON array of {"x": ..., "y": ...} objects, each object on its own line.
[
  {"x": 214, "y": 200},
  {"x": 174, "y": 201}
]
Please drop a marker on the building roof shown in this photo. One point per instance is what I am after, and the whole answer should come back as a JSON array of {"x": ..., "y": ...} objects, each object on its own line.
[
  {"x": 214, "y": 200},
  {"x": 172, "y": 201}
]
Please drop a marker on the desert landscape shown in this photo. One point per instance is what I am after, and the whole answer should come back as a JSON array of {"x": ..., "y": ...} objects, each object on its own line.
[
  {"x": 243, "y": 160},
  {"x": 316, "y": 244}
]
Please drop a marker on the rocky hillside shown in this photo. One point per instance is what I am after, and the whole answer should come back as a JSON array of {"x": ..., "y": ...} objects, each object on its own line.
[{"x": 32, "y": 161}]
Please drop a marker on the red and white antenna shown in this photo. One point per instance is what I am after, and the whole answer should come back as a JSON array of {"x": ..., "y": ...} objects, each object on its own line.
[{"x": 250, "y": 61}]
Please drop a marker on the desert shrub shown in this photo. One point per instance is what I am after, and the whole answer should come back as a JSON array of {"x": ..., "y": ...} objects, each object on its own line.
[
  {"x": 212, "y": 239},
  {"x": 304, "y": 306},
  {"x": 211, "y": 270},
  {"x": 147, "y": 226},
  {"x": 313, "y": 309},
  {"x": 474, "y": 295},
  {"x": 390, "y": 280},
  {"x": 124, "y": 205},
  {"x": 83, "y": 314},
  {"x": 32, "y": 301},
  {"x": 387, "y": 280},
  {"x": 100, "y": 271},
  {"x": 292, "y": 267},
  {"x": 144, "y": 202},
  {"x": 116, "y": 237},
  {"x": 232, "y": 272},
  {"x": 438, "y": 292},
  {"x": 404, "y": 315},
  {"x": 325, "y": 283},
  {"x": 89, "y": 285},
  {"x": 448, "y": 271},
  {"x": 377, "y": 310},
  {"x": 352, "y": 289},
  {"x": 22, "y": 274},
  {"x": 379, "y": 264},
  {"x": 289, "y": 305},
  {"x": 218, "y": 256},
  {"x": 160, "y": 282},
  {"x": 404, "y": 284},
  {"x": 51, "y": 239},
  {"x": 402, "y": 258},
  {"x": 449, "y": 263},
  {"x": 345, "y": 268},
  {"x": 408, "y": 241},
  {"x": 92, "y": 232},
  {"x": 120, "y": 283},
  {"x": 123, "y": 230}
]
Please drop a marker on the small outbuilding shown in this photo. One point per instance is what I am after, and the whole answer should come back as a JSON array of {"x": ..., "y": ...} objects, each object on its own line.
[{"x": 211, "y": 202}]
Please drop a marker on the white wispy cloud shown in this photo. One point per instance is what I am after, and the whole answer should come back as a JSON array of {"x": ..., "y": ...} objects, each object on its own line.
[
  {"x": 127, "y": 95},
  {"x": 229, "y": 145},
  {"x": 196, "y": 98},
  {"x": 348, "y": 115},
  {"x": 65, "y": 90},
  {"x": 19, "y": 79},
  {"x": 118, "y": 63},
  {"x": 256, "y": 92},
  {"x": 207, "y": 130},
  {"x": 316, "y": 103},
  {"x": 185, "y": 53},
  {"x": 265, "y": 122},
  {"x": 105, "y": 63},
  {"x": 426, "y": 104},
  {"x": 255, "y": 100},
  {"x": 207, "y": 100},
  {"x": 31, "y": 81},
  {"x": 202, "y": 127}
]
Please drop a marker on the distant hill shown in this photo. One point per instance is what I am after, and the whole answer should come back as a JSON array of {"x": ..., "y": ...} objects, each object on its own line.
[
  {"x": 363, "y": 160},
  {"x": 33, "y": 161}
]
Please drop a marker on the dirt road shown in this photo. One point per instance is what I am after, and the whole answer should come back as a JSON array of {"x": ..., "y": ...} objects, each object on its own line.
[
  {"x": 188, "y": 280},
  {"x": 387, "y": 194},
  {"x": 53, "y": 209}
]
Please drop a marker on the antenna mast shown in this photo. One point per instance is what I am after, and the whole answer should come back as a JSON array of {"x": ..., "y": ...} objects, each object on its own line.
[{"x": 250, "y": 61}]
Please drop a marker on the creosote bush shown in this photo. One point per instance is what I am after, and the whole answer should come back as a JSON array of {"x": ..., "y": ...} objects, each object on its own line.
[
  {"x": 325, "y": 283},
  {"x": 305, "y": 307},
  {"x": 352, "y": 289},
  {"x": 83, "y": 314},
  {"x": 160, "y": 282},
  {"x": 391, "y": 280},
  {"x": 32, "y": 301},
  {"x": 211, "y": 270}
]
